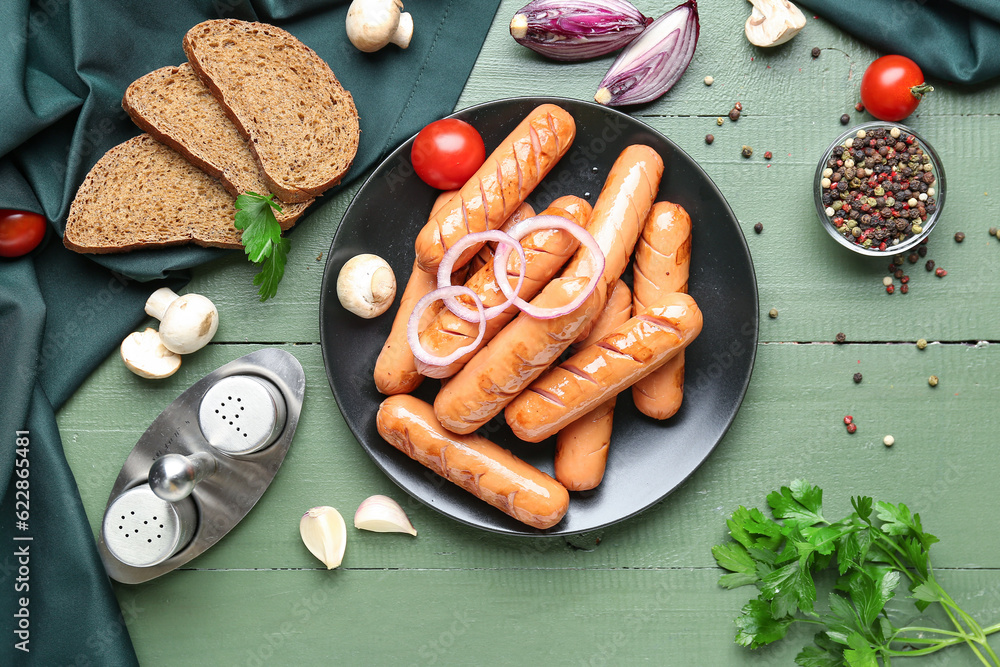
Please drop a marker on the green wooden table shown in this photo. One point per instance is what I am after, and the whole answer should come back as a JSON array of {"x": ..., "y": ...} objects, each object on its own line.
[{"x": 643, "y": 591}]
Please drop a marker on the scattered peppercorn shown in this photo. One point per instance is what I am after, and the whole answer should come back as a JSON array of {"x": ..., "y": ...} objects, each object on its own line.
[
  {"x": 738, "y": 106},
  {"x": 888, "y": 441},
  {"x": 890, "y": 289},
  {"x": 719, "y": 121},
  {"x": 709, "y": 80},
  {"x": 998, "y": 233},
  {"x": 940, "y": 273},
  {"x": 759, "y": 227},
  {"x": 898, "y": 259},
  {"x": 845, "y": 119},
  {"x": 709, "y": 138},
  {"x": 932, "y": 380},
  {"x": 959, "y": 237},
  {"x": 768, "y": 155},
  {"x": 734, "y": 114},
  {"x": 888, "y": 279},
  {"x": 921, "y": 344},
  {"x": 840, "y": 338},
  {"x": 773, "y": 313},
  {"x": 993, "y": 231},
  {"x": 859, "y": 107},
  {"x": 922, "y": 251},
  {"x": 903, "y": 289},
  {"x": 904, "y": 279},
  {"x": 857, "y": 378},
  {"x": 851, "y": 428},
  {"x": 848, "y": 419},
  {"x": 913, "y": 258},
  {"x": 929, "y": 265},
  {"x": 815, "y": 52},
  {"x": 746, "y": 151}
]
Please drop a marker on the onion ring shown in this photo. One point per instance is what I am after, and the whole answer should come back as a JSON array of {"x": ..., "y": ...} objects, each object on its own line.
[
  {"x": 539, "y": 222},
  {"x": 412, "y": 325},
  {"x": 452, "y": 254}
]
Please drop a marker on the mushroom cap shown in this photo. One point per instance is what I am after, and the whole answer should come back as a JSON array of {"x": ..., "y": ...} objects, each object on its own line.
[
  {"x": 773, "y": 22},
  {"x": 145, "y": 355},
  {"x": 189, "y": 323},
  {"x": 366, "y": 285}
]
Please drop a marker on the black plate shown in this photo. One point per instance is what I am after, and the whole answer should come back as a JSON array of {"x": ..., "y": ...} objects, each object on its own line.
[{"x": 648, "y": 458}]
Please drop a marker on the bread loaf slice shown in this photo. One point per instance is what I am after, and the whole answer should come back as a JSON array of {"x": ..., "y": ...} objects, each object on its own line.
[
  {"x": 177, "y": 109},
  {"x": 301, "y": 123},
  {"x": 143, "y": 194}
]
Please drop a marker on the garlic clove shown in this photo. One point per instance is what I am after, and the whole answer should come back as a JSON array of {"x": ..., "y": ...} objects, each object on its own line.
[
  {"x": 366, "y": 285},
  {"x": 382, "y": 514},
  {"x": 324, "y": 533}
]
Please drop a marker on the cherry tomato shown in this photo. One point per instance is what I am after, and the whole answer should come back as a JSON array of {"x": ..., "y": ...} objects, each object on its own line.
[
  {"x": 892, "y": 87},
  {"x": 447, "y": 153},
  {"x": 20, "y": 232}
]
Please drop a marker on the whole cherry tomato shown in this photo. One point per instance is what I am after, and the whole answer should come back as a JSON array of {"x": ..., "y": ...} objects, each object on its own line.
[
  {"x": 447, "y": 153},
  {"x": 892, "y": 87},
  {"x": 20, "y": 232}
]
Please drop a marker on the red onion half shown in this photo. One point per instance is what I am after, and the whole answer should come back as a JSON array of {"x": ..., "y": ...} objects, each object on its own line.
[
  {"x": 651, "y": 64},
  {"x": 539, "y": 222},
  {"x": 453, "y": 253},
  {"x": 413, "y": 325},
  {"x": 576, "y": 29}
]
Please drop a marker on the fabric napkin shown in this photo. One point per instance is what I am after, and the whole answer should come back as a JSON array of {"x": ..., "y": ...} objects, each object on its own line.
[
  {"x": 954, "y": 40},
  {"x": 66, "y": 65}
]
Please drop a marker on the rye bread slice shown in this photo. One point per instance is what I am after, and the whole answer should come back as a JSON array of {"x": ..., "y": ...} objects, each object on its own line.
[
  {"x": 177, "y": 109},
  {"x": 301, "y": 123},
  {"x": 143, "y": 194}
]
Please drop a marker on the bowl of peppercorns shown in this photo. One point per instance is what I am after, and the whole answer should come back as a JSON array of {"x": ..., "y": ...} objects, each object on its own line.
[{"x": 879, "y": 188}]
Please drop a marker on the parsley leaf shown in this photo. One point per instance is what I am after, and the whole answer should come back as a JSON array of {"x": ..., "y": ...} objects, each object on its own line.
[
  {"x": 801, "y": 504},
  {"x": 756, "y": 626},
  {"x": 262, "y": 240},
  {"x": 783, "y": 558}
]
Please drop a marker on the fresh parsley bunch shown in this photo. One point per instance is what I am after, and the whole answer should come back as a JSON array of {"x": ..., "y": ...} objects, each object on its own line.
[
  {"x": 262, "y": 240},
  {"x": 872, "y": 555}
]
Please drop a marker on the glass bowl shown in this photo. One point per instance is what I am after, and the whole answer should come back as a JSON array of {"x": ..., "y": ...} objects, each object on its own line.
[{"x": 936, "y": 192}]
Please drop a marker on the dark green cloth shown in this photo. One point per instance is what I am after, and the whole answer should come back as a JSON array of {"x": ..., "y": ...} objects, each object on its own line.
[
  {"x": 66, "y": 65},
  {"x": 956, "y": 40}
]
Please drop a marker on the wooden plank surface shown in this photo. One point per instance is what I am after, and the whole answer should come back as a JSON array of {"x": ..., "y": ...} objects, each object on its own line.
[{"x": 643, "y": 591}]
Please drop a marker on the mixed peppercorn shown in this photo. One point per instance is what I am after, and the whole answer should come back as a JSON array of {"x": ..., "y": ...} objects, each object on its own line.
[{"x": 878, "y": 188}]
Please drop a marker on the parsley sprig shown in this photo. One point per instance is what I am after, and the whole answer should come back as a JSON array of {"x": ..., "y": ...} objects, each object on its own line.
[
  {"x": 262, "y": 240},
  {"x": 872, "y": 556}
]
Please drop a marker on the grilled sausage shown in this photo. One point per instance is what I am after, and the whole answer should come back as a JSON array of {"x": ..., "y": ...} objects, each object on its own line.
[
  {"x": 526, "y": 346},
  {"x": 545, "y": 252},
  {"x": 505, "y": 180},
  {"x": 582, "y": 446},
  {"x": 395, "y": 369},
  {"x": 600, "y": 371},
  {"x": 662, "y": 264},
  {"x": 476, "y": 464}
]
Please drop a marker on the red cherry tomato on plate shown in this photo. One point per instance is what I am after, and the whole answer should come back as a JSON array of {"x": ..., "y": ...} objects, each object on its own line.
[
  {"x": 892, "y": 87},
  {"x": 447, "y": 153},
  {"x": 20, "y": 232}
]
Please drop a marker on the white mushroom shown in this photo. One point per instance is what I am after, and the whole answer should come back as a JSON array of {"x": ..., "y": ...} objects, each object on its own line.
[
  {"x": 144, "y": 354},
  {"x": 366, "y": 285},
  {"x": 187, "y": 322},
  {"x": 773, "y": 22},
  {"x": 371, "y": 24}
]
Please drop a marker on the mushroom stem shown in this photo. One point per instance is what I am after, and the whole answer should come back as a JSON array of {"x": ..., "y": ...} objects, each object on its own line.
[
  {"x": 159, "y": 301},
  {"x": 404, "y": 31}
]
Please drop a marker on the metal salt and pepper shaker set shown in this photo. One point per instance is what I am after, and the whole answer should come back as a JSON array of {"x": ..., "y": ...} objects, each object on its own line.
[{"x": 201, "y": 465}]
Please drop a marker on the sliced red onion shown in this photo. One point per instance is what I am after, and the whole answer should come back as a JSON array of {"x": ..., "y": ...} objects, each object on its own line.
[
  {"x": 453, "y": 253},
  {"x": 413, "y": 325},
  {"x": 537, "y": 223},
  {"x": 653, "y": 62},
  {"x": 576, "y": 29}
]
